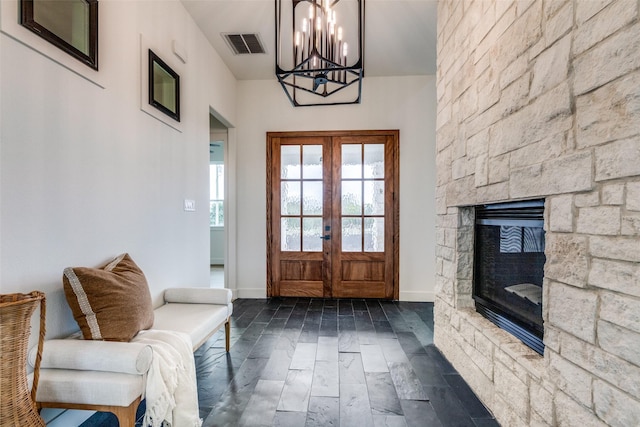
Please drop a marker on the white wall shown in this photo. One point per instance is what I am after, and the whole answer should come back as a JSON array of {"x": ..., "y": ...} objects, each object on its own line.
[
  {"x": 405, "y": 103},
  {"x": 216, "y": 238},
  {"x": 85, "y": 174}
]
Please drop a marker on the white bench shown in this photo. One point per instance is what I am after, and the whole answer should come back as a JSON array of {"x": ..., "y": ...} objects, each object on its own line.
[{"x": 110, "y": 376}]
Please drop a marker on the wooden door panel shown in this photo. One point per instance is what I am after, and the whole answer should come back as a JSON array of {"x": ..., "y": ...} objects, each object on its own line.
[
  {"x": 368, "y": 269},
  {"x": 301, "y": 270},
  {"x": 363, "y": 256},
  {"x": 301, "y": 278},
  {"x": 363, "y": 139},
  {"x": 358, "y": 289},
  {"x": 363, "y": 270},
  {"x": 301, "y": 288},
  {"x": 294, "y": 268},
  {"x": 362, "y": 273}
]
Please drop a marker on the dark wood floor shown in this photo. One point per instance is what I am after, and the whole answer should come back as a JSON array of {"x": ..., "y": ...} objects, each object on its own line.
[{"x": 313, "y": 362}]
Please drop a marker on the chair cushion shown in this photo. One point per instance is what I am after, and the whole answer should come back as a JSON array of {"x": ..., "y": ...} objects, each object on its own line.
[{"x": 110, "y": 303}]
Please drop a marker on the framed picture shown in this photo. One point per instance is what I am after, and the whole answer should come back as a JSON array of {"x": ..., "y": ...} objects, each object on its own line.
[
  {"x": 164, "y": 87},
  {"x": 71, "y": 25}
]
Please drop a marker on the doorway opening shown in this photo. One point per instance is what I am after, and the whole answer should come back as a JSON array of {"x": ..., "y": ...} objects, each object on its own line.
[{"x": 218, "y": 144}]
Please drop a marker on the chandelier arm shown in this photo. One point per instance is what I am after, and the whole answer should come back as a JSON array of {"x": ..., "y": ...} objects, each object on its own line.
[{"x": 342, "y": 86}]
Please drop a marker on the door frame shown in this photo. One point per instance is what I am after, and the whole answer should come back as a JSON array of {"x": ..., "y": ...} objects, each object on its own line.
[{"x": 271, "y": 240}]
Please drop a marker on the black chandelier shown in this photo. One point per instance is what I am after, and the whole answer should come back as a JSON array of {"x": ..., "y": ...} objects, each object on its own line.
[{"x": 317, "y": 58}]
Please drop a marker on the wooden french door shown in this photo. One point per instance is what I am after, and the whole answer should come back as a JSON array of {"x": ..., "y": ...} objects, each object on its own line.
[{"x": 332, "y": 214}]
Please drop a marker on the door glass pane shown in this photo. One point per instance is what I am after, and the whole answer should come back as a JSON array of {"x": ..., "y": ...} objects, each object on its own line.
[
  {"x": 312, "y": 234},
  {"x": 290, "y": 198},
  {"x": 312, "y": 161},
  {"x": 351, "y": 198},
  {"x": 290, "y": 238},
  {"x": 374, "y": 197},
  {"x": 290, "y": 162},
  {"x": 374, "y": 161},
  {"x": 352, "y": 234},
  {"x": 312, "y": 203},
  {"x": 352, "y": 161},
  {"x": 374, "y": 234}
]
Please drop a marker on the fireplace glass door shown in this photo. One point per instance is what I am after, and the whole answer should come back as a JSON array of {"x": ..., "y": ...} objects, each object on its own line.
[{"x": 509, "y": 267}]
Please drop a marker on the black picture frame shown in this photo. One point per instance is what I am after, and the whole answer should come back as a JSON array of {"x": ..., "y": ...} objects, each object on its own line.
[
  {"x": 88, "y": 52},
  {"x": 164, "y": 87}
]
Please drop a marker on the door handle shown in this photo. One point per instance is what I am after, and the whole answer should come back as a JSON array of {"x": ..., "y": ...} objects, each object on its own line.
[{"x": 326, "y": 237}]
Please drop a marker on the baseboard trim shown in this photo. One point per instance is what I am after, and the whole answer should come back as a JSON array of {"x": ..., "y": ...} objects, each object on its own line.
[
  {"x": 260, "y": 293},
  {"x": 417, "y": 296},
  {"x": 251, "y": 293}
]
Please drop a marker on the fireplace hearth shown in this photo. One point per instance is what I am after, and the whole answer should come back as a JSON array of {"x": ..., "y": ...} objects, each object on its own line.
[{"x": 509, "y": 268}]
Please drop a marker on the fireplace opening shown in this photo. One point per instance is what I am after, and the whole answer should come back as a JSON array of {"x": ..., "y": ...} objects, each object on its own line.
[{"x": 509, "y": 268}]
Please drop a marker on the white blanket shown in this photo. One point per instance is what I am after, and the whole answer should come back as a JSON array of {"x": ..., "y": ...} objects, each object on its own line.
[{"x": 171, "y": 391}]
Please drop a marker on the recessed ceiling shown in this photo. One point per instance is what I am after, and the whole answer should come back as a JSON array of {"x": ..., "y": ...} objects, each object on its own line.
[{"x": 400, "y": 35}]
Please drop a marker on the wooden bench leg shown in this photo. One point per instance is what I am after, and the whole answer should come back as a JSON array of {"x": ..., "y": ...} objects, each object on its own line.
[
  {"x": 227, "y": 336},
  {"x": 126, "y": 416}
]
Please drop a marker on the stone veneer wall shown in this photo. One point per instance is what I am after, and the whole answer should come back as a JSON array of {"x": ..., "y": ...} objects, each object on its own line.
[{"x": 541, "y": 98}]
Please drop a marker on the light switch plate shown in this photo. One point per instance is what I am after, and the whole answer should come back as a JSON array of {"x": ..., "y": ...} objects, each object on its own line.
[{"x": 189, "y": 205}]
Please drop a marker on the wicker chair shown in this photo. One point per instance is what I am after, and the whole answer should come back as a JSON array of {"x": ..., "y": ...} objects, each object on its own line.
[{"x": 17, "y": 406}]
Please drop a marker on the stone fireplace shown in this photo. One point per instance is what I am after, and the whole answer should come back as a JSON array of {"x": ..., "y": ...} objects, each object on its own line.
[
  {"x": 508, "y": 268},
  {"x": 540, "y": 99}
]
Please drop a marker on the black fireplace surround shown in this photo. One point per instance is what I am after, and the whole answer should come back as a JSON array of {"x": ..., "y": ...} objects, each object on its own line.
[{"x": 509, "y": 268}]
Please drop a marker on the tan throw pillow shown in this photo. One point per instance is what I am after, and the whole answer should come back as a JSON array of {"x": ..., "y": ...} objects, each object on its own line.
[{"x": 110, "y": 303}]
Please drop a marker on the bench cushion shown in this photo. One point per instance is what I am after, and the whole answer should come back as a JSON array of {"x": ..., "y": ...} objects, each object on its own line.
[
  {"x": 198, "y": 321},
  {"x": 89, "y": 387}
]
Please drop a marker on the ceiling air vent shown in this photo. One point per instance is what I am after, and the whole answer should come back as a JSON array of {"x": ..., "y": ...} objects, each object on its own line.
[{"x": 244, "y": 43}]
